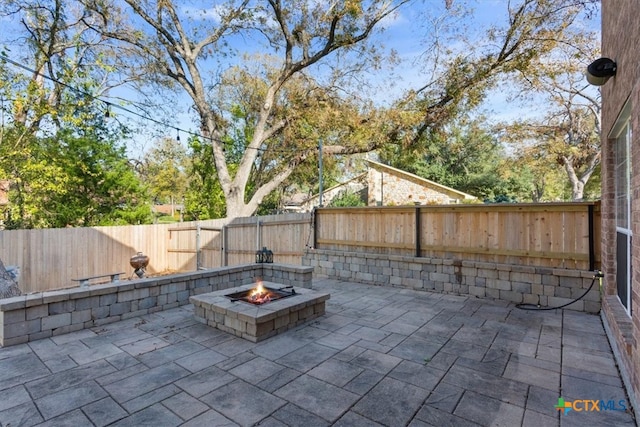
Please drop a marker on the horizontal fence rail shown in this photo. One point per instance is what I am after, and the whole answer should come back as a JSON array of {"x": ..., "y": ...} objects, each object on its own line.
[{"x": 555, "y": 235}]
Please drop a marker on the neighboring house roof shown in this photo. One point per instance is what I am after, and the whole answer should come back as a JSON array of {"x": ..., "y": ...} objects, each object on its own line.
[
  {"x": 302, "y": 200},
  {"x": 345, "y": 184},
  {"x": 419, "y": 179},
  {"x": 296, "y": 199}
]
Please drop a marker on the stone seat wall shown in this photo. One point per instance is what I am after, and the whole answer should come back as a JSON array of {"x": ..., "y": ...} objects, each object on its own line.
[{"x": 45, "y": 314}]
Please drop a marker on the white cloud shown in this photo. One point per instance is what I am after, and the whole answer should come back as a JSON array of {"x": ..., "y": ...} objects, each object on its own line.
[{"x": 204, "y": 14}]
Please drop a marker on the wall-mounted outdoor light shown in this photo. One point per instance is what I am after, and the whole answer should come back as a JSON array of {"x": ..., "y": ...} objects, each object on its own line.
[{"x": 600, "y": 70}]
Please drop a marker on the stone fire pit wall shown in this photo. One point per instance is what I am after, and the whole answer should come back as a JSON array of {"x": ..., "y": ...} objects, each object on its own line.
[
  {"x": 42, "y": 315},
  {"x": 549, "y": 287}
]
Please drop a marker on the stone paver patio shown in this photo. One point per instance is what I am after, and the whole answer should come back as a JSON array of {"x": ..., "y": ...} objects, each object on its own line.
[{"x": 380, "y": 356}]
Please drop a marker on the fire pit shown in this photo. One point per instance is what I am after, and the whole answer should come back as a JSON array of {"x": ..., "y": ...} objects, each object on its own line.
[
  {"x": 256, "y": 313},
  {"x": 262, "y": 294}
]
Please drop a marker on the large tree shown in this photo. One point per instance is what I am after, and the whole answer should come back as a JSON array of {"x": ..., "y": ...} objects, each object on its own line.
[
  {"x": 58, "y": 150},
  {"x": 566, "y": 133},
  {"x": 306, "y": 39},
  {"x": 172, "y": 49}
]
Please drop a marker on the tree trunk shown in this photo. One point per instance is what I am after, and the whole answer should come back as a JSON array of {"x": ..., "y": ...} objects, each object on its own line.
[{"x": 8, "y": 286}]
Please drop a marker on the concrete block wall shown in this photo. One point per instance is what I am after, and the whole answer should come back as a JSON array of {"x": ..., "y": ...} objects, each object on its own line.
[
  {"x": 42, "y": 315},
  {"x": 514, "y": 283}
]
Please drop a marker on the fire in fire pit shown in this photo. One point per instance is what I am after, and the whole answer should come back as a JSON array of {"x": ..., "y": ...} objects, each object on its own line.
[{"x": 261, "y": 294}]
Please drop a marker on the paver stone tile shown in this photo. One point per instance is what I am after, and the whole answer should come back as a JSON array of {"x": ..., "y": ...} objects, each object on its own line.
[
  {"x": 185, "y": 406},
  {"x": 504, "y": 389},
  {"x": 13, "y": 396},
  {"x": 122, "y": 360},
  {"x": 536, "y": 419},
  {"x": 318, "y": 397},
  {"x": 600, "y": 419},
  {"x": 25, "y": 414},
  {"x": 203, "y": 382},
  {"x": 391, "y": 402},
  {"x": 201, "y": 360},
  {"x": 89, "y": 355},
  {"x": 376, "y": 361},
  {"x": 415, "y": 349},
  {"x": 170, "y": 353},
  {"x": 488, "y": 411},
  {"x": 151, "y": 398},
  {"x": 278, "y": 380},
  {"x": 435, "y": 417},
  {"x": 59, "y": 364},
  {"x": 532, "y": 375},
  {"x": 16, "y": 350},
  {"x": 352, "y": 419},
  {"x": 592, "y": 376},
  {"x": 463, "y": 349},
  {"x": 291, "y": 415},
  {"x": 256, "y": 370},
  {"x": 20, "y": 369},
  {"x": 104, "y": 412},
  {"x": 590, "y": 360},
  {"x": 143, "y": 382},
  {"x": 364, "y": 382},
  {"x": 69, "y": 378},
  {"x": 338, "y": 341},
  {"x": 138, "y": 348},
  {"x": 66, "y": 400},
  {"x": 542, "y": 400},
  {"x": 210, "y": 418},
  {"x": 70, "y": 419},
  {"x": 336, "y": 372},
  {"x": 445, "y": 397},
  {"x": 153, "y": 416},
  {"x": 418, "y": 374},
  {"x": 307, "y": 357},
  {"x": 242, "y": 402},
  {"x": 579, "y": 388},
  {"x": 278, "y": 346}
]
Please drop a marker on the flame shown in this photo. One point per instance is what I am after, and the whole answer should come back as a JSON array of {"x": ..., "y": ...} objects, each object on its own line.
[{"x": 259, "y": 294}]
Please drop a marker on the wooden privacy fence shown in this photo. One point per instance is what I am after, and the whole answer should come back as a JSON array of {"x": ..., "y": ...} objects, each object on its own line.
[
  {"x": 557, "y": 235},
  {"x": 202, "y": 246},
  {"x": 51, "y": 258},
  {"x": 287, "y": 235},
  {"x": 560, "y": 235}
]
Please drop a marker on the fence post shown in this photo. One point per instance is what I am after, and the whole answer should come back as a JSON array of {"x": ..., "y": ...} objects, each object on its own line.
[
  {"x": 198, "y": 260},
  {"x": 314, "y": 217},
  {"x": 592, "y": 251},
  {"x": 418, "y": 233},
  {"x": 223, "y": 246},
  {"x": 258, "y": 246}
]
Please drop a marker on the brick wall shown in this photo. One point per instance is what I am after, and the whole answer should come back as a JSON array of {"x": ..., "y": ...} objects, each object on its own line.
[
  {"x": 514, "y": 283},
  {"x": 621, "y": 42}
]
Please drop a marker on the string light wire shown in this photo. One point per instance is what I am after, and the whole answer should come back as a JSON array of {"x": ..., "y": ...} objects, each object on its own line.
[{"x": 109, "y": 105}]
